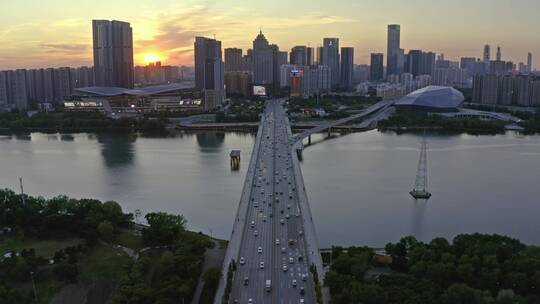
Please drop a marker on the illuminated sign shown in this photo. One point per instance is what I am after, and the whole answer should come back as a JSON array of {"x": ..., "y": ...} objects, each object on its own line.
[{"x": 259, "y": 91}]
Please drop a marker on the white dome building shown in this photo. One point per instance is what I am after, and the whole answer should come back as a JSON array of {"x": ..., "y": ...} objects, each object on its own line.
[{"x": 432, "y": 99}]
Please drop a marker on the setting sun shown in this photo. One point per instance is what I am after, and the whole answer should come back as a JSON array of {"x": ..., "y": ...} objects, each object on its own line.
[{"x": 150, "y": 57}]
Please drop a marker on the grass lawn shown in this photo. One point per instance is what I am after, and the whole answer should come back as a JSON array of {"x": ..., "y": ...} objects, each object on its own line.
[
  {"x": 129, "y": 240},
  {"x": 102, "y": 262},
  {"x": 43, "y": 247}
]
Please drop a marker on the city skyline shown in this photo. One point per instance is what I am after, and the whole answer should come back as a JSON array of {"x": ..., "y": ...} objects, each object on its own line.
[{"x": 166, "y": 30}]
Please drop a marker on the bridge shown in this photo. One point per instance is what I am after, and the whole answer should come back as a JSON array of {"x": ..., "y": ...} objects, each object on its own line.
[{"x": 273, "y": 243}]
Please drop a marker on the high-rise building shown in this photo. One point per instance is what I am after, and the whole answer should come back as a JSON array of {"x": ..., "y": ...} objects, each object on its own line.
[
  {"x": 394, "y": 54},
  {"x": 13, "y": 93},
  {"x": 279, "y": 59},
  {"x": 310, "y": 56},
  {"x": 420, "y": 63},
  {"x": 330, "y": 58},
  {"x": 499, "y": 54},
  {"x": 113, "y": 53},
  {"x": 238, "y": 82},
  {"x": 263, "y": 61},
  {"x": 530, "y": 62},
  {"x": 63, "y": 85},
  {"x": 487, "y": 56},
  {"x": 3, "y": 91},
  {"x": 209, "y": 72},
  {"x": 376, "y": 72},
  {"x": 299, "y": 55},
  {"x": 347, "y": 67},
  {"x": 319, "y": 54},
  {"x": 233, "y": 59}
]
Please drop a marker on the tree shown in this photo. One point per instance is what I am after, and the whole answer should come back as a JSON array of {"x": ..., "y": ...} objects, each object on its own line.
[
  {"x": 105, "y": 230},
  {"x": 211, "y": 278},
  {"x": 164, "y": 228}
]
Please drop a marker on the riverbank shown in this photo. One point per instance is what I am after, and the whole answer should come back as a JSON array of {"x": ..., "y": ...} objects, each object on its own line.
[
  {"x": 79, "y": 249},
  {"x": 75, "y": 122}
]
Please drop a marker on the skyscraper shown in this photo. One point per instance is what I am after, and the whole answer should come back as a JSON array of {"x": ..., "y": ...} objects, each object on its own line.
[
  {"x": 279, "y": 59},
  {"x": 263, "y": 61},
  {"x": 487, "y": 56},
  {"x": 233, "y": 59},
  {"x": 347, "y": 67},
  {"x": 209, "y": 71},
  {"x": 376, "y": 72},
  {"x": 310, "y": 56},
  {"x": 420, "y": 63},
  {"x": 330, "y": 57},
  {"x": 113, "y": 53},
  {"x": 499, "y": 55},
  {"x": 299, "y": 55},
  {"x": 394, "y": 54},
  {"x": 529, "y": 62}
]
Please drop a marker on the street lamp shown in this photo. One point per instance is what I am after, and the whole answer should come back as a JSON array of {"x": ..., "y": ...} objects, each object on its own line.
[{"x": 34, "y": 286}]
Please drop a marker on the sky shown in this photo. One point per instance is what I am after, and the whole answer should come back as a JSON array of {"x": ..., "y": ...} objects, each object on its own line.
[{"x": 53, "y": 33}]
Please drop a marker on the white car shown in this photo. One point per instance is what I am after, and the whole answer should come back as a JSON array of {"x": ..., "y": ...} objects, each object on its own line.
[
  {"x": 259, "y": 250},
  {"x": 294, "y": 283},
  {"x": 282, "y": 221},
  {"x": 285, "y": 268},
  {"x": 250, "y": 301},
  {"x": 252, "y": 224},
  {"x": 277, "y": 241},
  {"x": 291, "y": 261},
  {"x": 242, "y": 261},
  {"x": 283, "y": 249}
]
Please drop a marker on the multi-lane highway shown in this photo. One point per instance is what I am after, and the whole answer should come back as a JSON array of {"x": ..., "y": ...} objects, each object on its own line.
[
  {"x": 273, "y": 259},
  {"x": 273, "y": 240}
]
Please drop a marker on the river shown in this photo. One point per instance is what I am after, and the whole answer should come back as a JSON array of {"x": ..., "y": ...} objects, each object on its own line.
[{"x": 357, "y": 184}]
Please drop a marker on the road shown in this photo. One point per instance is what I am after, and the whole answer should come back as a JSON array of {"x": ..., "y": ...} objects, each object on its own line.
[{"x": 273, "y": 230}]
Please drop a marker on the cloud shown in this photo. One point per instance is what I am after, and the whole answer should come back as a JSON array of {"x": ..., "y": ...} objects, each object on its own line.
[
  {"x": 175, "y": 32},
  {"x": 66, "y": 47}
]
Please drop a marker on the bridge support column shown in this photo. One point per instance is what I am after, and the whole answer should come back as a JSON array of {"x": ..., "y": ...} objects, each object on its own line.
[
  {"x": 309, "y": 140},
  {"x": 235, "y": 160},
  {"x": 329, "y": 131}
]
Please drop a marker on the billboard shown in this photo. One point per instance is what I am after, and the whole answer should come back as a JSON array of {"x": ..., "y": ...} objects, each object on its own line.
[{"x": 259, "y": 90}]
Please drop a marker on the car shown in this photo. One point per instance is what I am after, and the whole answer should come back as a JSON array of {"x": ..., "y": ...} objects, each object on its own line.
[
  {"x": 302, "y": 291},
  {"x": 242, "y": 261},
  {"x": 291, "y": 261},
  {"x": 300, "y": 258},
  {"x": 264, "y": 218},
  {"x": 282, "y": 211},
  {"x": 261, "y": 265},
  {"x": 283, "y": 249},
  {"x": 246, "y": 281},
  {"x": 282, "y": 221},
  {"x": 259, "y": 250},
  {"x": 301, "y": 301},
  {"x": 250, "y": 301},
  {"x": 255, "y": 233},
  {"x": 294, "y": 283},
  {"x": 277, "y": 241},
  {"x": 288, "y": 206},
  {"x": 252, "y": 224},
  {"x": 300, "y": 232},
  {"x": 304, "y": 277},
  {"x": 287, "y": 216},
  {"x": 285, "y": 268},
  {"x": 291, "y": 242}
]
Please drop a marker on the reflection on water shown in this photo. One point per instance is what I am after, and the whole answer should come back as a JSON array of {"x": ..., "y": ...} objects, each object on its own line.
[
  {"x": 357, "y": 184},
  {"x": 210, "y": 140},
  {"x": 418, "y": 212},
  {"x": 117, "y": 149}
]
